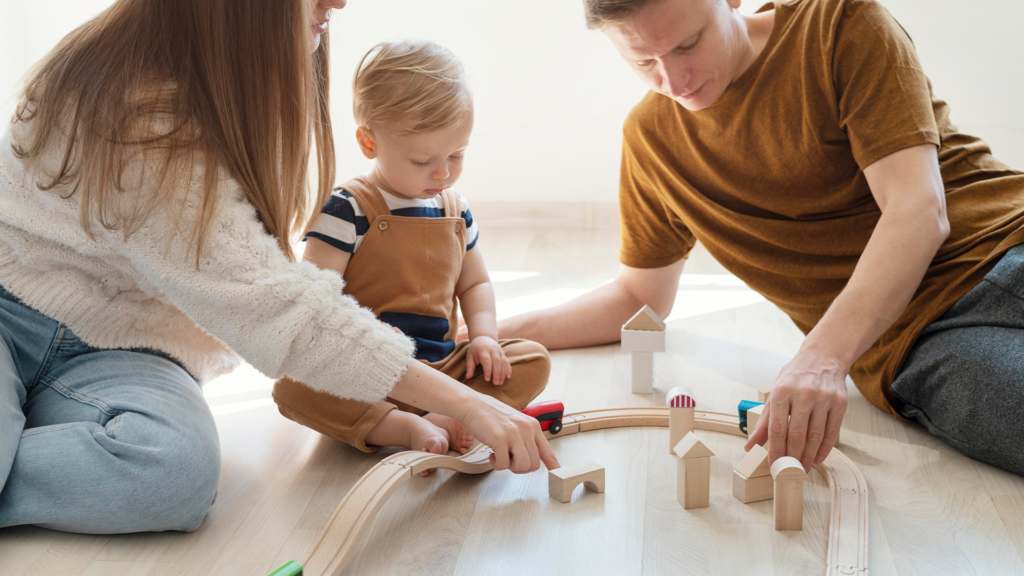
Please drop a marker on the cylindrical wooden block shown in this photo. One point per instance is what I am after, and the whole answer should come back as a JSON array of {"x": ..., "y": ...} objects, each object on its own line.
[
  {"x": 680, "y": 423},
  {"x": 788, "y": 507}
]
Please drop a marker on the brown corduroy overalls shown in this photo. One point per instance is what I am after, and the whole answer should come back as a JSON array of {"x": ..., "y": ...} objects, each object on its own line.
[{"x": 405, "y": 270}]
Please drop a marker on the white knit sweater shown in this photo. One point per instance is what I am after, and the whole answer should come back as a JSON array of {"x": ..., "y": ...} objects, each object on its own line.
[{"x": 247, "y": 299}]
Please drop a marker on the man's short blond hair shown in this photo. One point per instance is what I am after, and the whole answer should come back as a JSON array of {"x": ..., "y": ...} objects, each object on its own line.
[
  {"x": 603, "y": 13},
  {"x": 418, "y": 86}
]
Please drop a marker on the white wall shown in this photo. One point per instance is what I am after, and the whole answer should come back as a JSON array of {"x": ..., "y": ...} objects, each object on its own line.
[{"x": 551, "y": 95}]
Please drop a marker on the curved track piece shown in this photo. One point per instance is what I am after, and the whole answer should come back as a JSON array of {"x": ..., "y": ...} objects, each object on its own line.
[
  {"x": 848, "y": 530},
  {"x": 352, "y": 518}
]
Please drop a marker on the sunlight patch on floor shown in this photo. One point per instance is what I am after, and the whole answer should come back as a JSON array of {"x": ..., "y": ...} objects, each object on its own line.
[
  {"x": 507, "y": 276},
  {"x": 224, "y": 409},
  {"x": 698, "y": 294}
]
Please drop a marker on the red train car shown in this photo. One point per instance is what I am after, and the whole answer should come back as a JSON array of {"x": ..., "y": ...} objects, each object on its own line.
[{"x": 549, "y": 414}]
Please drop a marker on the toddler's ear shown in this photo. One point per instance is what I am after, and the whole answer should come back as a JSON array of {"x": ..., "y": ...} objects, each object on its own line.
[{"x": 364, "y": 137}]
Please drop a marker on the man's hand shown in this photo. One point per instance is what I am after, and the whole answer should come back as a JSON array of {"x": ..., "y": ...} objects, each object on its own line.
[
  {"x": 486, "y": 352},
  {"x": 805, "y": 410}
]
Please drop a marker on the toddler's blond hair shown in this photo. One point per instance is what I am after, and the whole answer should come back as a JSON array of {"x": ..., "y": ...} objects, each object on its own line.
[{"x": 419, "y": 86}]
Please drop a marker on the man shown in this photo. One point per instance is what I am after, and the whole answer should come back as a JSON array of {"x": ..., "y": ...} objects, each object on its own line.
[{"x": 803, "y": 147}]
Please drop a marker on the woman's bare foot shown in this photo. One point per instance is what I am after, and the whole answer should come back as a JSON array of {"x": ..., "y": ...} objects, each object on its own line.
[
  {"x": 399, "y": 428},
  {"x": 459, "y": 439}
]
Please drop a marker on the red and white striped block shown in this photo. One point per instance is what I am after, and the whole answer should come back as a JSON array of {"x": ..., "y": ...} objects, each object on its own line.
[{"x": 680, "y": 397}]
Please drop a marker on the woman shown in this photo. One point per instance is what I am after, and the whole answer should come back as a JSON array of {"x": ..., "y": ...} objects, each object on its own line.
[{"x": 151, "y": 182}]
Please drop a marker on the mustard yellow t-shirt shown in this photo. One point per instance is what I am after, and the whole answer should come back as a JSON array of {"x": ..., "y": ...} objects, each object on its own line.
[{"x": 770, "y": 178}]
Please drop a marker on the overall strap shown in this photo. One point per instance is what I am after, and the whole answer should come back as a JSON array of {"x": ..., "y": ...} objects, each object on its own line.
[
  {"x": 368, "y": 197},
  {"x": 452, "y": 205}
]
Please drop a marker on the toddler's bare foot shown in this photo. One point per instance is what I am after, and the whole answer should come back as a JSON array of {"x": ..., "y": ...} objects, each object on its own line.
[
  {"x": 427, "y": 437},
  {"x": 460, "y": 440},
  {"x": 399, "y": 428}
]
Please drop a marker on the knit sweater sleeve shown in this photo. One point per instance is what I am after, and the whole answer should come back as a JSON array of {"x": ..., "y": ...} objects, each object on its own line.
[{"x": 283, "y": 317}]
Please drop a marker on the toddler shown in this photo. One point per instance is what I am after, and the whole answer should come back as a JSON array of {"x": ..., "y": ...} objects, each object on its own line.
[{"x": 408, "y": 249}]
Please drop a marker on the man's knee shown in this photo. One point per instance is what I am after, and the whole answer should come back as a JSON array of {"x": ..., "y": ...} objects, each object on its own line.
[{"x": 967, "y": 387}]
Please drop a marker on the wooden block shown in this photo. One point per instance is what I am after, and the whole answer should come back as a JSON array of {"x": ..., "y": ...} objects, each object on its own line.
[
  {"x": 640, "y": 341},
  {"x": 563, "y": 481},
  {"x": 645, "y": 319},
  {"x": 643, "y": 373},
  {"x": 762, "y": 395},
  {"x": 755, "y": 463},
  {"x": 753, "y": 415},
  {"x": 691, "y": 447},
  {"x": 693, "y": 482},
  {"x": 680, "y": 423},
  {"x": 788, "y": 507},
  {"x": 749, "y": 490}
]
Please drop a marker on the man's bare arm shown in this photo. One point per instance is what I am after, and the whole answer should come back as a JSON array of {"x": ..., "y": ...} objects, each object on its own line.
[
  {"x": 597, "y": 316},
  {"x": 808, "y": 401}
]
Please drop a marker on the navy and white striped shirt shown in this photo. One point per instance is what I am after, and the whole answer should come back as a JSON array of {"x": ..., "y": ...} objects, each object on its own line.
[{"x": 342, "y": 222}]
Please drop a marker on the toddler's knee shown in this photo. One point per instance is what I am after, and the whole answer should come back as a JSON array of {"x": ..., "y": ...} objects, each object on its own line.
[{"x": 532, "y": 356}]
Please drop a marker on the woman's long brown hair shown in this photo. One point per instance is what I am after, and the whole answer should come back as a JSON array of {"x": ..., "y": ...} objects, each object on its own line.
[{"x": 235, "y": 84}]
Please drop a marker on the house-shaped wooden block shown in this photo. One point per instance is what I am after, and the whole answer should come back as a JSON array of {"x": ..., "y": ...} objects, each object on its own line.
[
  {"x": 752, "y": 479},
  {"x": 693, "y": 478},
  {"x": 645, "y": 332},
  {"x": 643, "y": 335}
]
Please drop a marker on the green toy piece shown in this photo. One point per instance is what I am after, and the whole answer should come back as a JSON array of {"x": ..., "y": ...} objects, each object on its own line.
[{"x": 292, "y": 568}]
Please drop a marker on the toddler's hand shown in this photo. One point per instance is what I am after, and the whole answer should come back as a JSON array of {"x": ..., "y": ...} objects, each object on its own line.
[
  {"x": 486, "y": 352},
  {"x": 397, "y": 331}
]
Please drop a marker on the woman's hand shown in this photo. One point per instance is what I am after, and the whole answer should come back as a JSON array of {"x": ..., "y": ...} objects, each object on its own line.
[
  {"x": 516, "y": 439},
  {"x": 486, "y": 352},
  {"x": 805, "y": 410},
  {"x": 518, "y": 443}
]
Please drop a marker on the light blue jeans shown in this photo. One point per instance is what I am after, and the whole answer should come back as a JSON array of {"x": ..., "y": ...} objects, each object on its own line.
[{"x": 98, "y": 441}]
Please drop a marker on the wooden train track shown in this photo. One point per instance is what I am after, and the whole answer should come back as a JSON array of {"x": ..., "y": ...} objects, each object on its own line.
[{"x": 847, "y": 536}]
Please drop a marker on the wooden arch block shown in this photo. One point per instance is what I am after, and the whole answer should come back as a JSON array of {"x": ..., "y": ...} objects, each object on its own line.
[{"x": 563, "y": 481}]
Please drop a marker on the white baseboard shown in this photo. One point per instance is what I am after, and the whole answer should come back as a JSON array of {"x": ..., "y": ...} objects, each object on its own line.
[{"x": 565, "y": 215}]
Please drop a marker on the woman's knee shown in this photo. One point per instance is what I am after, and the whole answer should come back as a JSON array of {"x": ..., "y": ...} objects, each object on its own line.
[{"x": 175, "y": 490}]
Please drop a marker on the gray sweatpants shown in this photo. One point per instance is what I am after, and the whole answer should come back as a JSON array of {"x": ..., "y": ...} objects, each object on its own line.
[{"x": 964, "y": 378}]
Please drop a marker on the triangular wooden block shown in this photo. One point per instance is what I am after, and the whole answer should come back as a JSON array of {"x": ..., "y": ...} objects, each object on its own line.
[
  {"x": 691, "y": 447},
  {"x": 755, "y": 463},
  {"x": 645, "y": 319}
]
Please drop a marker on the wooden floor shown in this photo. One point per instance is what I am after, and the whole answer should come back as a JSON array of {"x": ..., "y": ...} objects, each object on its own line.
[{"x": 933, "y": 511}]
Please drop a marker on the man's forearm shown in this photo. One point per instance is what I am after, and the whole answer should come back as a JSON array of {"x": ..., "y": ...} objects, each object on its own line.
[
  {"x": 593, "y": 318},
  {"x": 886, "y": 277}
]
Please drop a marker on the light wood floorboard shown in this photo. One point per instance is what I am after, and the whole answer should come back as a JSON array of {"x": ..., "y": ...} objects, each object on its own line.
[{"x": 932, "y": 511}]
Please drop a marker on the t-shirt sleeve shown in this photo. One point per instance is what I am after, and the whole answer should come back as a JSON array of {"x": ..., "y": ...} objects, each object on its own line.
[
  {"x": 653, "y": 235},
  {"x": 472, "y": 231},
  {"x": 883, "y": 95},
  {"x": 340, "y": 223}
]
